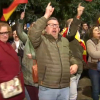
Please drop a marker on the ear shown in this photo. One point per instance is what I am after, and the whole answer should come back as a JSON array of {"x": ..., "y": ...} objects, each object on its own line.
[{"x": 45, "y": 30}]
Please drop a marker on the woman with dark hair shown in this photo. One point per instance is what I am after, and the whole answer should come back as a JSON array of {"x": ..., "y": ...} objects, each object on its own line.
[
  {"x": 93, "y": 49},
  {"x": 9, "y": 67}
]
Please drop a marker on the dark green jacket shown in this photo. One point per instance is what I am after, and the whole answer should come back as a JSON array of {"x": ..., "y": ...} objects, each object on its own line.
[
  {"x": 77, "y": 51},
  {"x": 75, "y": 47},
  {"x": 53, "y": 57}
]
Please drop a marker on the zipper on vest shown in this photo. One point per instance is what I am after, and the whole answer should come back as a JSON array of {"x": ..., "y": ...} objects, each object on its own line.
[{"x": 60, "y": 61}]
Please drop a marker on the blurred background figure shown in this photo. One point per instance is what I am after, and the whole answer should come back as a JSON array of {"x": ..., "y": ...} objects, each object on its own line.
[
  {"x": 84, "y": 31},
  {"x": 17, "y": 44}
]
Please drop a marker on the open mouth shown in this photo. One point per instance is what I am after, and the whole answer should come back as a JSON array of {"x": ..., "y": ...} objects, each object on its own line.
[
  {"x": 16, "y": 36},
  {"x": 99, "y": 34},
  {"x": 54, "y": 31}
]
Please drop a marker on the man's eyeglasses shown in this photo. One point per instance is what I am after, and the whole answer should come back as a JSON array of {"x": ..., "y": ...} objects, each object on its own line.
[
  {"x": 53, "y": 25},
  {"x": 2, "y": 33}
]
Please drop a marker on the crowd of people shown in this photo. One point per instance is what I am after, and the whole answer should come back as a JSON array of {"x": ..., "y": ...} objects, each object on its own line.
[{"x": 61, "y": 56}]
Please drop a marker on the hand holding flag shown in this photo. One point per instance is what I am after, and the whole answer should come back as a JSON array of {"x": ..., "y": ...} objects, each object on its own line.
[{"x": 7, "y": 12}]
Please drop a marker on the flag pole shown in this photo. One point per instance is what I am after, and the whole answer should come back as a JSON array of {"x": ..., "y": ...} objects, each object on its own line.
[{"x": 25, "y": 8}]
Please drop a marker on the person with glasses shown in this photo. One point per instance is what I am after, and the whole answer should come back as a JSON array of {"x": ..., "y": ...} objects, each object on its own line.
[
  {"x": 54, "y": 60},
  {"x": 9, "y": 62},
  {"x": 53, "y": 25}
]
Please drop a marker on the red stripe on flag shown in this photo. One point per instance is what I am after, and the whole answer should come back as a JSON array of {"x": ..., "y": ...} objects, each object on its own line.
[
  {"x": 21, "y": 1},
  {"x": 84, "y": 58},
  {"x": 14, "y": 4},
  {"x": 65, "y": 33},
  {"x": 2, "y": 18}
]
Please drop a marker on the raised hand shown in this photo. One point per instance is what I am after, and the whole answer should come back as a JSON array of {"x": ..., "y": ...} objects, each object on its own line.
[
  {"x": 80, "y": 10},
  {"x": 49, "y": 11},
  {"x": 22, "y": 15}
]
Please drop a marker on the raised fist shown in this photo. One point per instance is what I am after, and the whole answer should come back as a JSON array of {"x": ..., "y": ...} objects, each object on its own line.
[
  {"x": 49, "y": 11},
  {"x": 80, "y": 10},
  {"x": 22, "y": 15}
]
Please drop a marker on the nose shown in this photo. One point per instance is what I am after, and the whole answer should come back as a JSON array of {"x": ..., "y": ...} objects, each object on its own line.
[
  {"x": 5, "y": 34},
  {"x": 99, "y": 31}
]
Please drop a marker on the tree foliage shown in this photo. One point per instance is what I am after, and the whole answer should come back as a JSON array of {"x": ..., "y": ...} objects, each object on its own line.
[
  {"x": 64, "y": 9},
  {"x": 91, "y": 9}
]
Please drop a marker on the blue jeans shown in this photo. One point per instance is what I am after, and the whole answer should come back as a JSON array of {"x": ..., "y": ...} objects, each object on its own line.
[
  {"x": 27, "y": 95},
  {"x": 53, "y": 94},
  {"x": 73, "y": 87},
  {"x": 98, "y": 66},
  {"x": 95, "y": 80}
]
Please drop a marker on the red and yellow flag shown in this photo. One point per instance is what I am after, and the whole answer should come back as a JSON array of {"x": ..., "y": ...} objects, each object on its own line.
[
  {"x": 98, "y": 21},
  {"x": 8, "y": 11},
  {"x": 82, "y": 43},
  {"x": 77, "y": 36},
  {"x": 64, "y": 32}
]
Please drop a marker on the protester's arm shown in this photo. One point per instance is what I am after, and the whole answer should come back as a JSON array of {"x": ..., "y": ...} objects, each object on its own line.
[
  {"x": 75, "y": 23},
  {"x": 30, "y": 52},
  {"x": 36, "y": 31},
  {"x": 76, "y": 65},
  {"x": 91, "y": 49},
  {"x": 73, "y": 29},
  {"x": 19, "y": 28},
  {"x": 73, "y": 63}
]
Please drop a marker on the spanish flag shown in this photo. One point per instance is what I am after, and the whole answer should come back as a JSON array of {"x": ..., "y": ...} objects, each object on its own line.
[
  {"x": 64, "y": 32},
  {"x": 82, "y": 43},
  {"x": 77, "y": 37},
  {"x": 8, "y": 11},
  {"x": 98, "y": 21}
]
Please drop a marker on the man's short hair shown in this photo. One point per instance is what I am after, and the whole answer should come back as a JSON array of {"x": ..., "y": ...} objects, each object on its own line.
[{"x": 53, "y": 18}]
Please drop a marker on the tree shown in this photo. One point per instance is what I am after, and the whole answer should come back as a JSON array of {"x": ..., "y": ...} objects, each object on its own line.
[
  {"x": 91, "y": 10},
  {"x": 64, "y": 9}
]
